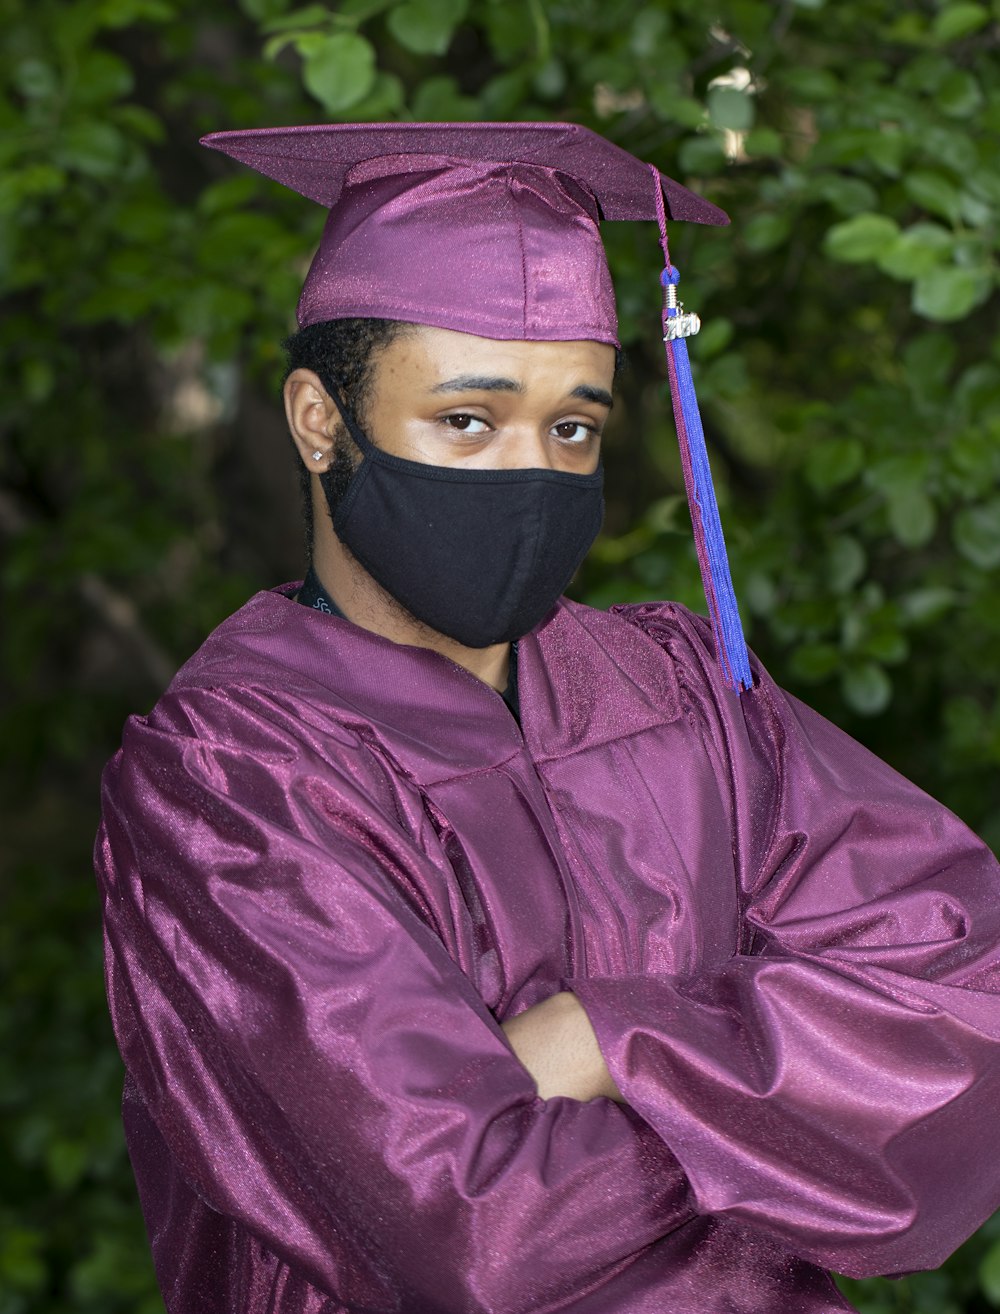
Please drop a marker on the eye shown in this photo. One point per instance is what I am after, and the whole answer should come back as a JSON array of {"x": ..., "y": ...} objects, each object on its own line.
[
  {"x": 574, "y": 431},
  {"x": 465, "y": 423}
]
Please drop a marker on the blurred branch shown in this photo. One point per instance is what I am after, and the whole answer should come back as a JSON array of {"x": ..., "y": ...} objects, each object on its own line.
[
  {"x": 114, "y": 610},
  {"x": 120, "y": 615},
  {"x": 12, "y": 519}
]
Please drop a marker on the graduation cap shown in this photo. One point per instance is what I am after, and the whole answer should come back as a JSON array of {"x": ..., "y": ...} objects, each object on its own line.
[{"x": 492, "y": 229}]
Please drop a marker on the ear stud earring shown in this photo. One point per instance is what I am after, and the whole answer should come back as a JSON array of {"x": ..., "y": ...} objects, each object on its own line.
[{"x": 317, "y": 456}]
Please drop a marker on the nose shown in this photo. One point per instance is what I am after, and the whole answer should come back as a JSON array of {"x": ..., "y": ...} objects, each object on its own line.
[{"x": 528, "y": 448}]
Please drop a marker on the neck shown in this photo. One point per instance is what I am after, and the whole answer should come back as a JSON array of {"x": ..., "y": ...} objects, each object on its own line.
[{"x": 366, "y": 603}]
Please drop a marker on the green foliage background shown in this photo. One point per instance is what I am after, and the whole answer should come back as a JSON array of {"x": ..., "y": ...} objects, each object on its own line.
[{"x": 849, "y": 370}]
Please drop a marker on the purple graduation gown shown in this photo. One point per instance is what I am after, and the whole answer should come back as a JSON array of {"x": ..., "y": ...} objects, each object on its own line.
[{"x": 331, "y": 865}]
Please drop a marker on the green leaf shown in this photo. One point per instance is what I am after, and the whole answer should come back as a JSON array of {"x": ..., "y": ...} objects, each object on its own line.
[
  {"x": 866, "y": 688},
  {"x": 846, "y": 563},
  {"x": 923, "y": 606},
  {"x": 729, "y": 108},
  {"x": 649, "y": 28},
  {"x": 273, "y": 46},
  {"x": 66, "y": 1162},
  {"x": 231, "y": 193},
  {"x": 886, "y": 645},
  {"x": 959, "y": 95},
  {"x": 91, "y": 147},
  {"x": 426, "y": 26},
  {"x": 384, "y": 101},
  {"x": 811, "y": 83},
  {"x": 361, "y": 10},
  {"x": 675, "y": 108},
  {"x": 832, "y": 462},
  {"x": 908, "y": 29},
  {"x": 934, "y": 192},
  {"x": 985, "y": 183},
  {"x": 440, "y": 99},
  {"x": 101, "y": 77},
  {"x": 848, "y": 196},
  {"x": 261, "y": 10},
  {"x": 814, "y": 661},
  {"x": 912, "y": 517},
  {"x": 35, "y": 79},
  {"x": 299, "y": 19},
  {"x": 918, "y": 249},
  {"x": 140, "y": 122},
  {"x": 715, "y": 336},
  {"x": 950, "y": 145},
  {"x": 549, "y": 81},
  {"x": 863, "y": 237},
  {"x": 21, "y": 1264},
  {"x": 766, "y": 231},
  {"x": 957, "y": 21},
  {"x": 891, "y": 473},
  {"x": 989, "y": 1274},
  {"x": 976, "y": 532},
  {"x": 120, "y": 13},
  {"x": 339, "y": 70},
  {"x": 929, "y": 359},
  {"x": 950, "y": 293},
  {"x": 764, "y": 143},
  {"x": 701, "y": 154}
]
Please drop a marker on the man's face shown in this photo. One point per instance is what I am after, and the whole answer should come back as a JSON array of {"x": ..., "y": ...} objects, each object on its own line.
[{"x": 452, "y": 399}]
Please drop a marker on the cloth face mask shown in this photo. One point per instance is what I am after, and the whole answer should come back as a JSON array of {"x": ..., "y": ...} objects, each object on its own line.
[{"x": 479, "y": 555}]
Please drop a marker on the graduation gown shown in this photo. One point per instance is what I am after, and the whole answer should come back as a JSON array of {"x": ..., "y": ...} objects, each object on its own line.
[{"x": 332, "y": 865}]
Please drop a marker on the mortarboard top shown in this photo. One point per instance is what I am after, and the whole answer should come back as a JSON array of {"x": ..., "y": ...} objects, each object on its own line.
[
  {"x": 486, "y": 228},
  {"x": 315, "y": 160}
]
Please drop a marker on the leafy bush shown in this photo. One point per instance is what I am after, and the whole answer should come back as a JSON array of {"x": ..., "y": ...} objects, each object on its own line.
[{"x": 849, "y": 371}]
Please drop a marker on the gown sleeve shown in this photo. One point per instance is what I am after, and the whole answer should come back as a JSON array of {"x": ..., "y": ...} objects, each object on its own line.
[
  {"x": 836, "y": 1084},
  {"x": 316, "y": 1063}
]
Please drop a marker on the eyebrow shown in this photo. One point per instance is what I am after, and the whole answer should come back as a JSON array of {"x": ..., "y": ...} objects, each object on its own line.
[
  {"x": 497, "y": 383},
  {"x": 478, "y": 383},
  {"x": 586, "y": 392}
]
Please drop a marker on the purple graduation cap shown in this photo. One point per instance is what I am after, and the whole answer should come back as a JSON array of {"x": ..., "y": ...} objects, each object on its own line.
[{"x": 492, "y": 229}]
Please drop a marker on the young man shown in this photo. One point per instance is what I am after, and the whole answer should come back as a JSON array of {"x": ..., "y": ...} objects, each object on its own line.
[{"x": 472, "y": 950}]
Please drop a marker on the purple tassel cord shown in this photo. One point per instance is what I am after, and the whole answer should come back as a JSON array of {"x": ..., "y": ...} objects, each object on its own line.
[{"x": 730, "y": 645}]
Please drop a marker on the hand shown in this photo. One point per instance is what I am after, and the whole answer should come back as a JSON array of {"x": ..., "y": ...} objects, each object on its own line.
[{"x": 556, "y": 1043}]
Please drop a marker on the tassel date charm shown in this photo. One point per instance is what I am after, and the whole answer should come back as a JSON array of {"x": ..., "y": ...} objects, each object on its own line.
[{"x": 676, "y": 322}]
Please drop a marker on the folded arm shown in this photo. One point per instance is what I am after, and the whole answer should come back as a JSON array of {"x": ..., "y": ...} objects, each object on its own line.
[
  {"x": 318, "y": 1065},
  {"x": 836, "y": 1083}
]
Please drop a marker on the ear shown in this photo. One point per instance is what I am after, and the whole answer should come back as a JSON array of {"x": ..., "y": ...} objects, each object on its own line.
[{"x": 312, "y": 419}]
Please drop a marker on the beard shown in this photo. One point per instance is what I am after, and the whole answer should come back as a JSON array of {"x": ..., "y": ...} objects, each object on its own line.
[{"x": 336, "y": 478}]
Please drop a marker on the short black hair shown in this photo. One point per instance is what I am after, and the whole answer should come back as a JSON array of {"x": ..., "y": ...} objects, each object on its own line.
[{"x": 341, "y": 352}]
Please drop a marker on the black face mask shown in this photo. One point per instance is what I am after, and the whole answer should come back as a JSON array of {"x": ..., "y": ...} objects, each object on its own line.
[{"x": 479, "y": 555}]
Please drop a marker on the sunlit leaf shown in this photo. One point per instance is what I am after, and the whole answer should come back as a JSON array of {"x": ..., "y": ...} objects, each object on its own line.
[
  {"x": 729, "y": 108},
  {"x": 426, "y": 26},
  {"x": 949, "y": 293},
  {"x": 339, "y": 70},
  {"x": 976, "y": 532},
  {"x": 867, "y": 688},
  {"x": 955, "y": 21},
  {"x": 864, "y": 237}
]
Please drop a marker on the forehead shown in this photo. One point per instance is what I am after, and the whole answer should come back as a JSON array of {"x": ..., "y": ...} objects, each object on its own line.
[{"x": 425, "y": 357}]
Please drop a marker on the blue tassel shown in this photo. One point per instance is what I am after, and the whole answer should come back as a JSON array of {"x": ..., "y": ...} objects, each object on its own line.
[{"x": 730, "y": 643}]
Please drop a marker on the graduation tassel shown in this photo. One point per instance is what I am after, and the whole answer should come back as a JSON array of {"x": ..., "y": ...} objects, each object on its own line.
[{"x": 730, "y": 645}]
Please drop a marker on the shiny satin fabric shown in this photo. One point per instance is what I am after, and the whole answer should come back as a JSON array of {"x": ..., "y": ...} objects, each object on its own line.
[
  {"x": 484, "y": 228},
  {"x": 499, "y": 250},
  {"x": 332, "y": 865}
]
